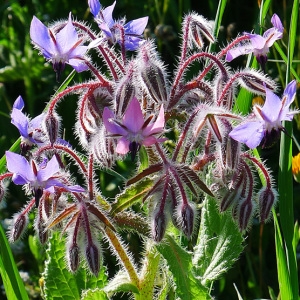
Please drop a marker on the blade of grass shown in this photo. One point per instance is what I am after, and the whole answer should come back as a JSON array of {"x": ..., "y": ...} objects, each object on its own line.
[
  {"x": 285, "y": 184},
  {"x": 13, "y": 285}
]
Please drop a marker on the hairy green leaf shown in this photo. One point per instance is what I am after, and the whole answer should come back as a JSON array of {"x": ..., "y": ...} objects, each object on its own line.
[
  {"x": 188, "y": 286},
  {"x": 131, "y": 195},
  {"x": 60, "y": 283},
  {"x": 219, "y": 243}
]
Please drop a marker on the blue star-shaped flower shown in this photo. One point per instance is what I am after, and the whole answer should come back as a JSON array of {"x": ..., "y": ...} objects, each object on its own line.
[
  {"x": 133, "y": 30},
  {"x": 62, "y": 47},
  {"x": 264, "y": 126}
]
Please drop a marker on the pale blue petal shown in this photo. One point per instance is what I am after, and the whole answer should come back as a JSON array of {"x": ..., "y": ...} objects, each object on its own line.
[
  {"x": 94, "y": 6},
  {"x": 249, "y": 133},
  {"x": 136, "y": 27},
  {"x": 20, "y": 121},
  {"x": 50, "y": 170},
  {"x": 19, "y": 103}
]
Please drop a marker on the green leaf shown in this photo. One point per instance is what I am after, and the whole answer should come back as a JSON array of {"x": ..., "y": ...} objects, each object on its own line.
[
  {"x": 12, "y": 282},
  {"x": 219, "y": 243},
  {"x": 96, "y": 294},
  {"x": 188, "y": 286},
  {"x": 120, "y": 283},
  {"x": 60, "y": 283},
  {"x": 131, "y": 195}
]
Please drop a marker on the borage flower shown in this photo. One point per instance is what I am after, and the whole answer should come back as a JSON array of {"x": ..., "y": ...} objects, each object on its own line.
[
  {"x": 45, "y": 176},
  {"x": 30, "y": 130},
  {"x": 131, "y": 38},
  {"x": 134, "y": 130},
  {"x": 59, "y": 47},
  {"x": 264, "y": 127},
  {"x": 259, "y": 45}
]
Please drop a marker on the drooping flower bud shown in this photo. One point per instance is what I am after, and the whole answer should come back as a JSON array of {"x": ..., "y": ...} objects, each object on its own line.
[
  {"x": 73, "y": 257},
  {"x": 158, "y": 226},
  {"x": 198, "y": 27},
  {"x": 19, "y": 226},
  {"x": 186, "y": 215},
  {"x": 93, "y": 258},
  {"x": 52, "y": 127},
  {"x": 154, "y": 80},
  {"x": 256, "y": 82},
  {"x": 244, "y": 212},
  {"x": 266, "y": 199}
]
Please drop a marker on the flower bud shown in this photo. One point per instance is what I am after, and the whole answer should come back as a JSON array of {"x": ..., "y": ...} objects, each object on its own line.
[
  {"x": 186, "y": 216},
  {"x": 52, "y": 127},
  {"x": 256, "y": 82},
  {"x": 159, "y": 226},
  {"x": 154, "y": 80},
  {"x": 19, "y": 226},
  {"x": 93, "y": 258},
  {"x": 244, "y": 213},
  {"x": 199, "y": 26},
  {"x": 73, "y": 257},
  {"x": 266, "y": 199}
]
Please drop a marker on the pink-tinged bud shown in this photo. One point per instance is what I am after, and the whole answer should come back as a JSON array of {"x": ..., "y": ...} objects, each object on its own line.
[
  {"x": 186, "y": 216},
  {"x": 154, "y": 80},
  {"x": 244, "y": 213},
  {"x": 266, "y": 199},
  {"x": 159, "y": 226},
  {"x": 198, "y": 27},
  {"x": 256, "y": 82},
  {"x": 125, "y": 90},
  {"x": 18, "y": 228},
  {"x": 73, "y": 257},
  {"x": 52, "y": 127},
  {"x": 42, "y": 233},
  {"x": 93, "y": 258}
]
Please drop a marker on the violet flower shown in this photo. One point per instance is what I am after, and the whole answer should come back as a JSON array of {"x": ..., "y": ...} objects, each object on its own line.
[
  {"x": 45, "y": 176},
  {"x": 133, "y": 30},
  {"x": 59, "y": 47},
  {"x": 259, "y": 45},
  {"x": 30, "y": 130},
  {"x": 264, "y": 126},
  {"x": 134, "y": 130}
]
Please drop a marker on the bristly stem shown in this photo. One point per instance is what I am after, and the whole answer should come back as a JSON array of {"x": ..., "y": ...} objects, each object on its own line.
[{"x": 123, "y": 256}]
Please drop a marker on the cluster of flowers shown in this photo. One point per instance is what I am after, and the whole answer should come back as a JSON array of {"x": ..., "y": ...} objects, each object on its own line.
[{"x": 132, "y": 107}]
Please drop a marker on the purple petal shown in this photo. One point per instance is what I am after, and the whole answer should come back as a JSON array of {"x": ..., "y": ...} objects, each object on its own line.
[
  {"x": 238, "y": 51},
  {"x": 150, "y": 140},
  {"x": 20, "y": 166},
  {"x": 290, "y": 92},
  {"x": 133, "y": 43},
  {"x": 20, "y": 121},
  {"x": 257, "y": 41},
  {"x": 94, "y": 6},
  {"x": 275, "y": 20},
  {"x": 271, "y": 109},
  {"x": 123, "y": 146},
  {"x": 67, "y": 37},
  {"x": 19, "y": 103},
  {"x": 19, "y": 180},
  {"x": 110, "y": 125},
  {"x": 78, "y": 64},
  {"x": 49, "y": 170},
  {"x": 271, "y": 36},
  {"x": 157, "y": 126},
  {"x": 107, "y": 15},
  {"x": 39, "y": 34},
  {"x": 136, "y": 27},
  {"x": 36, "y": 123},
  {"x": 133, "y": 118},
  {"x": 106, "y": 30},
  {"x": 249, "y": 133}
]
